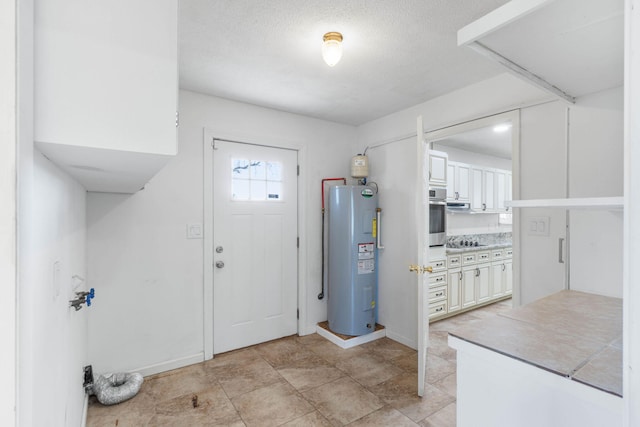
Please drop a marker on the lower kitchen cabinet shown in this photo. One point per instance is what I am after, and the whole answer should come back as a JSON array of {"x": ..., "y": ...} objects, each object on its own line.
[
  {"x": 468, "y": 287},
  {"x": 455, "y": 285},
  {"x": 472, "y": 278}
]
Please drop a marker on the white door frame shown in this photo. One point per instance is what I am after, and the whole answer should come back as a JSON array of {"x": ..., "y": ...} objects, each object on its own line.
[
  {"x": 207, "y": 149},
  {"x": 514, "y": 117}
]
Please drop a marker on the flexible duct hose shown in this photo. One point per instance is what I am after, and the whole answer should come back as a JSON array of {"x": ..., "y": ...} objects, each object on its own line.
[{"x": 116, "y": 388}]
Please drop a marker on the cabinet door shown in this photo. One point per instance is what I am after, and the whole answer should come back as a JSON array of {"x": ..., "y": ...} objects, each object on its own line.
[
  {"x": 509, "y": 190},
  {"x": 437, "y": 168},
  {"x": 489, "y": 199},
  {"x": 468, "y": 287},
  {"x": 476, "y": 188},
  {"x": 497, "y": 280},
  {"x": 483, "y": 290},
  {"x": 451, "y": 181},
  {"x": 501, "y": 190},
  {"x": 508, "y": 277},
  {"x": 462, "y": 179},
  {"x": 455, "y": 282}
]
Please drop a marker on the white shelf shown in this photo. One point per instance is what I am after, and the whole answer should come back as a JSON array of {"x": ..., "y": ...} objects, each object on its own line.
[{"x": 609, "y": 203}]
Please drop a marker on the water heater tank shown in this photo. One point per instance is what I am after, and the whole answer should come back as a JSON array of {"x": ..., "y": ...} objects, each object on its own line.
[
  {"x": 353, "y": 258},
  {"x": 359, "y": 166}
]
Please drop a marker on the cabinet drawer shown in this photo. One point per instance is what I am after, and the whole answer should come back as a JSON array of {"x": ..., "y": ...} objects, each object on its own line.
[
  {"x": 437, "y": 309},
  {"x": 483, "y": 256},
  {"x": 499, "y": 254},
  {"x": 437, "y": 294},
  {"x": 439, "y": 264},
  {"x": 454, "y": 261},
  {"x": 437, "y": 279},
  {"x": 469, "y": 258},
  {"x": 508, "y": 253}
]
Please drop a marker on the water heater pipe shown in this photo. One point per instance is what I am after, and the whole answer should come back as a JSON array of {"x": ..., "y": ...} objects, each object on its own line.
[{"x": 344, "y": 180}]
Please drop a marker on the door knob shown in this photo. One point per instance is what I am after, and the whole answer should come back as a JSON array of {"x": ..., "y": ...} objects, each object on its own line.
[
  {"x": 418, "y": 269},
  {"x": 219, "y": 264},
  {"x": 219, "y": 249}
]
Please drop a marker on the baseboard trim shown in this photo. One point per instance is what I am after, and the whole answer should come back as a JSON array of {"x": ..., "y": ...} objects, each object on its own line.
[
  {"x": 352, "y": 342},
  {"x": 85, "y": 410},
  {"x": 402, "y": 339},
  {"x": 170, "y": 365}
]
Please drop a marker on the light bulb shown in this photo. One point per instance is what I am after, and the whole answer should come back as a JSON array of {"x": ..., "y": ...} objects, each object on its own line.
[
  {"x": 501, "y": 128},
  {"x": 332, "y": 48}
]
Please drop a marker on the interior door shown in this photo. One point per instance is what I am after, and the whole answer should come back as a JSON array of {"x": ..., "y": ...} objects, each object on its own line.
[
  {"x": 255, "y": 244},
  {"x": 422, "y": 225}
]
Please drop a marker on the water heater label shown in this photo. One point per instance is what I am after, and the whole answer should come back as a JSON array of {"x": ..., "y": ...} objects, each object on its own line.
[
  {"x": 366, "y": 266},
  {"x": 367, "y": 193}
]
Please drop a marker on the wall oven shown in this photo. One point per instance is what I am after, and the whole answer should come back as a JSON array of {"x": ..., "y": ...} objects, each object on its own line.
[{"x": 437, "y": 216}]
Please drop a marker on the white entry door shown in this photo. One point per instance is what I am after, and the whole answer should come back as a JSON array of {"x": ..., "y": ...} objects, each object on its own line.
[{"x": 255, "y": 253}]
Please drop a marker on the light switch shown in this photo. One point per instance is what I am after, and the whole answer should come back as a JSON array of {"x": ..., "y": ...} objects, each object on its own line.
[
  {"x": 539, "y": 226},
  {"x": 194, "y": 231}
]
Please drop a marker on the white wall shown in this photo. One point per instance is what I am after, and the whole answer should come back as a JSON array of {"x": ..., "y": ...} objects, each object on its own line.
[
  {"x": 8, "y": 207},
  {"x": 476, "y": 159},
  {"x": 593, "y": 129},
  {"x": 398, "y": 306},
  {"x": 53, "y": 336},
  {"x": 595, "y": 170},
  {"x": 150, "y": 277}
]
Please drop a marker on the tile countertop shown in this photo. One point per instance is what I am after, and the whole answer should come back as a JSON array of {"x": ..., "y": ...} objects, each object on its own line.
[{"x": 570, "y": 333}]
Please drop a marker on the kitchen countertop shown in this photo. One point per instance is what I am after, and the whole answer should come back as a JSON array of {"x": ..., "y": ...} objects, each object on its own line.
[
  {"x": 573, "y": 334},
  {"x": 451, "y": 250}
]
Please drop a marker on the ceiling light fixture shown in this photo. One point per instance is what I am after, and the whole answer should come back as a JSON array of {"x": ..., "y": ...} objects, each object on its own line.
[
  {"x": 332, "y": 48},
  {"x": 502, "y": 128}
]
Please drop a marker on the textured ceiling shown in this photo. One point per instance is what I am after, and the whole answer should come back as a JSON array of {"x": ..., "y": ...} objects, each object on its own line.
[{"x": 397, "y": 53}]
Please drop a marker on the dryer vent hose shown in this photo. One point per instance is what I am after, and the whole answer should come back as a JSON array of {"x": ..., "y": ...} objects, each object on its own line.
[{"x": 111, "y": 389}]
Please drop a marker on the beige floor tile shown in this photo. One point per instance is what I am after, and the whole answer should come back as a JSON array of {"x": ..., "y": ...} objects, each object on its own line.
[
  {"x": 438, "y": 368},
  {"x": 439, "y": 345},
  {"x": 408, "y": 363},
  {"x": 272, "y": 405},
  {"x": 135, "y": 411},
  {"x": 314, "y": 419},
  {"x": 401, "y": 392},
  {"x": 368, "y": 369},
  {"x": 447, "y": 384},
  {"x": 343, "y": 401},
  {"x": 310, "y": 372},
  {"x": 283, "y": 352},
  {"x": 311, "y": 339},
  {"x": 245, "y": 374},
  {"x": 213, "y": 409},
  {"x": 384, "y": 417},
  {"x": 332, "y": 353},
  {"x": 387, "y": 348},
  {"x": 114, "y": 419},
  {"x": 446, "y": 417},
  {"x": 179, "y": 382}
]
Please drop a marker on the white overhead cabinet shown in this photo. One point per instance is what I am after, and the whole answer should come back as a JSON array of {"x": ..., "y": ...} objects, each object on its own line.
[
  {"x": 459, "y": 181},
  {"x": 106, "y": 89},
  {"x": 438, "y": 168}
]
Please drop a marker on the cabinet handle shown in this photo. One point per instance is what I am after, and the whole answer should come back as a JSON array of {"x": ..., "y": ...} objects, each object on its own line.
[
  {"x": 439, "y": 309},
  {"x": 439, "y": 294},
  {"x": 477, "y": 272},
  {"x": 560, "y": 244},
  {"x": 457, "y": 195},
  {"x": 484, "y": 206},
  {"x": 504, "y": 267}
]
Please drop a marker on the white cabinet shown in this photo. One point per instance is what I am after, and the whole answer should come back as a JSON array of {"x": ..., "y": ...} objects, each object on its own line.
[
  {"x": 106, "y": 89},
  {"x": 508, "y": 277},
  {"x": 483, "y": 283},
  {"x": 468, "y": 287},
  {"x": 455, "y": 287},
  {"x": 438, "y": 168},
  {"x": 459, "y": 182},
  {"x": 489, "y": 194},
  {"x": 503, "y": 190},
  {"x": 477, "y": 191}
]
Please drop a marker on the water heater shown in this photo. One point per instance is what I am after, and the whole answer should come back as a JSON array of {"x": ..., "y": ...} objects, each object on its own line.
[{"x": 353, "y": 259}]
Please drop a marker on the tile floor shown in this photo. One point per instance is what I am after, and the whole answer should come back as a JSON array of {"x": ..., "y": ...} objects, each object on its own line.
[{"x": 303, "y": 381}]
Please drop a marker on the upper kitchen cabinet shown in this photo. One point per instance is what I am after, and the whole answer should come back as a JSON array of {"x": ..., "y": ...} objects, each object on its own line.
[
  {"x": 106, "y": 87},
  {"x": 569, "y": 48},
  {"x": 438, "y": 168}
]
